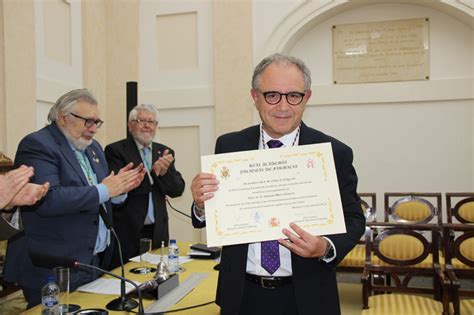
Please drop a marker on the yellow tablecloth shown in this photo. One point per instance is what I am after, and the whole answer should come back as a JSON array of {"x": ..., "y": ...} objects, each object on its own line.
[{"x": 204, "y": 292}]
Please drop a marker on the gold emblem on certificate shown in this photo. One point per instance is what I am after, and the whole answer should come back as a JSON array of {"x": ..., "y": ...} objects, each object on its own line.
[{"x": 225, "y": 172}]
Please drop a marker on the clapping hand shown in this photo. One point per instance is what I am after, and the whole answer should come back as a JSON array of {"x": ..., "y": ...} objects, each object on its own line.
[{"x": 126, "y": 179}]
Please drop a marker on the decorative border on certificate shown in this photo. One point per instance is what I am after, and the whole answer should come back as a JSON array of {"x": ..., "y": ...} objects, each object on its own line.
[{"x": 262, "y": 191}]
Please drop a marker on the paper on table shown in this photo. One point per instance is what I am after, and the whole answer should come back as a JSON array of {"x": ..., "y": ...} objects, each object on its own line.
[
  {"x": 154, "y": 259},
  {"x": 106, "y": 286}
]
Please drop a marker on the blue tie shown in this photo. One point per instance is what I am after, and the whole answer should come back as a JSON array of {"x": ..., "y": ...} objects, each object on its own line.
[
  {"x": 86, "y": 167},
  {"x": 147, "y": 158},
  {"x": 103, "y": 237},
  {"x": 269, "y": 251}
]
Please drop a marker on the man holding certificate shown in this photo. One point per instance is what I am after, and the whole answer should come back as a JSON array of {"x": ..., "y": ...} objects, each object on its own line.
[{"x": 293, "y": 273}]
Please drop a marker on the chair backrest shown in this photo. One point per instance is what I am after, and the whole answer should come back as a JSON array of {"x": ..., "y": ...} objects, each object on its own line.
[
  {"x": 459, "y": 245},
  {"x": 396, "y": 253},
  {"x": 368, "y": 204},
  {"x": 460, "y": 207},
  {"x": 6, "y": 164},
  {"x": 402, "y": 245},
  {"x": 413, "y": 208}
]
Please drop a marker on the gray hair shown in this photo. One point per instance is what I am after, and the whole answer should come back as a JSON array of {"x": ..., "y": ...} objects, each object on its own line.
[
  {"x": 145, "y": 107},
  {"x": 68, "y": 100},
  {"x": 281, "y": 59}
]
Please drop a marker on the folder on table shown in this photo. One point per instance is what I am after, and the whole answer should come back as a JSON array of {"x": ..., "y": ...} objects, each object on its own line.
[{"x": 201, "y": 251}]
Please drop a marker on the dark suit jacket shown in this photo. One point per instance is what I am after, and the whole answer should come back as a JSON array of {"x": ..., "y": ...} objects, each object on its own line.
[
  {"x": 314, "y": 281},
  {"x": 129, "y": 217},
  {"x": 65, "y": 222}
]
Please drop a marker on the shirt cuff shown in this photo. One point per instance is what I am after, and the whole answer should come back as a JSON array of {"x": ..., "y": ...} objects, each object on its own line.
[
  {"x": 332, "y": 257},
  {"x": 199, "y": 213},
  {"x": 103, "y": 193},
  {"x": 119, "y": 199}
]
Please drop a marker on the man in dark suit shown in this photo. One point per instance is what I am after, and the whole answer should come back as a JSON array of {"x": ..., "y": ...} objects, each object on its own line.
[
  {"x": 16, "y": 190},
  {"x": 304, "y": 280},
  {"x": 66, "y": 222},
  {"x": 144, "y": 214}
]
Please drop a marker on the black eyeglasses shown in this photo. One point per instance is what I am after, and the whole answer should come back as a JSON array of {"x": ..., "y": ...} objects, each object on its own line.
[
  {"x": 274, "y": 97},
  {"x": 89, "y": 122},
  {"x": 144, "y": 121}
]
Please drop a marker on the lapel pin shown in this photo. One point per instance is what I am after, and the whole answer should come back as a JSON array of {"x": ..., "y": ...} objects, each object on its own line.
[{"x": 94, "y": 157}]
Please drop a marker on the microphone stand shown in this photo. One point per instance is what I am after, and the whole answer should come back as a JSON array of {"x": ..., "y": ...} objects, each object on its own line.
[
  {"x": 140, "y": 304},
  {"x": 121, "y": 303}
]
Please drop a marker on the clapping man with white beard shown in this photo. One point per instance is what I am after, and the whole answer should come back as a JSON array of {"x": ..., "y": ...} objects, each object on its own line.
[
  {"x": 144, "y": 213},
  {"x": 66, "y": 222}
]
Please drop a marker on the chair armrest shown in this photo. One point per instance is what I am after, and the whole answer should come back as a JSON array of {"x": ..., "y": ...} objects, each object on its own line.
[
  {"x": 452, "y": 275},
  {"x": 445, "y": 281}
]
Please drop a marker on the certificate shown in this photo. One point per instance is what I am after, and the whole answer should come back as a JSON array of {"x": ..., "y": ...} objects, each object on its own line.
[{"x": 263, "y": 191}]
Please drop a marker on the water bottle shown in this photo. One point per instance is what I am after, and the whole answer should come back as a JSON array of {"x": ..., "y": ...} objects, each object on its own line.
[
  {"x": 173, "y": 256},
  {"x": 50, "y": 297}
]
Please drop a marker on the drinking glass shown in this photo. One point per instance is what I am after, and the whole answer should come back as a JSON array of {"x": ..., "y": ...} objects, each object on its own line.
[
  {"x": 61, "y": 276},
  {"x": 145, "y": 247}
]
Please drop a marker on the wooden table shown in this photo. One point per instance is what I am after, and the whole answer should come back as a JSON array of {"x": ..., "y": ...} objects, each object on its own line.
[{"x": 204, "y": 292}]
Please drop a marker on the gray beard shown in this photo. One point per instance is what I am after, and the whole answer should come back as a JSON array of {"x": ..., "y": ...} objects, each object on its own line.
[
  {"x": 143, "y": 140},
  {"x": 80, "y": 144}
]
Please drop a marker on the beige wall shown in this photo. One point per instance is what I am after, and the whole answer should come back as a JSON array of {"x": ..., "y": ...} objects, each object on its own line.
[
  {"x": 232, "y": 71},
  {"x": 122, "y": 62},
  {"x": 95, "y": 57},
  {"x": 3, "y": 127},
  {"x": 19, "y": 73}
]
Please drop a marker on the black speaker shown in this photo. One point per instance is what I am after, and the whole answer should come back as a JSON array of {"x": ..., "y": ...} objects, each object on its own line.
[{"x": 132, "y": 100}]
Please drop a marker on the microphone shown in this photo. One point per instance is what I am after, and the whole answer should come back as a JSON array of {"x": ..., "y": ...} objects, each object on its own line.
[
  {"x": 48, "y": 261},
  {"x": 151, "y": 284},
  {"x": 121, "y": 303}
]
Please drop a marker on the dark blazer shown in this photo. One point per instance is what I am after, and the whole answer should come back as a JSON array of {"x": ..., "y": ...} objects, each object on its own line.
[
  {"x": 129, "y": 217},
  {"x": 65, "y": 222},
  {"x": 314, "y": 281}
]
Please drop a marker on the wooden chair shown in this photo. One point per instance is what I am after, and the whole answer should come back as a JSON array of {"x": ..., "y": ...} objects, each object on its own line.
[
  {"x": 413, "y": 208},
  {"x": 403, "y": 252},
  {"x": 6, "y": 164},
  {"x": 354, "y": 261},
  {"x": 459, "y": 244},
  {"x": 460, "y": 207}
]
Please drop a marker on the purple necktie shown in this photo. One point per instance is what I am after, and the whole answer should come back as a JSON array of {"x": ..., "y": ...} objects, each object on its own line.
[{"x": 270, "y": 255}]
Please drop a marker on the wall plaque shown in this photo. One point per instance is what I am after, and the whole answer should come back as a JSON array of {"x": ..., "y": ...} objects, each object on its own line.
[{"x": 381, "y": 51}]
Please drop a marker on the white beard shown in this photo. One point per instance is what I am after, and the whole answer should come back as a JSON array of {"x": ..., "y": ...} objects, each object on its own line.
[
  {"x": 80, "y": 143},
  {"x": 143, "y": 139}
]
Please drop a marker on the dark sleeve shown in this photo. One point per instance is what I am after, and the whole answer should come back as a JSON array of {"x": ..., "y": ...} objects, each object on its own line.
[
  {"x": 66, "y": 195},
  {"x": 172, "y": 183},
  {"x": 114, "y": 159}
]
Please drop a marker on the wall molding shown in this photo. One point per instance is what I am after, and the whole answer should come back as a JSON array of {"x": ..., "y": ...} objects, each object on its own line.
[
  {"x": 179, "y": 98},
  {"x": 393, "y": 92}
]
